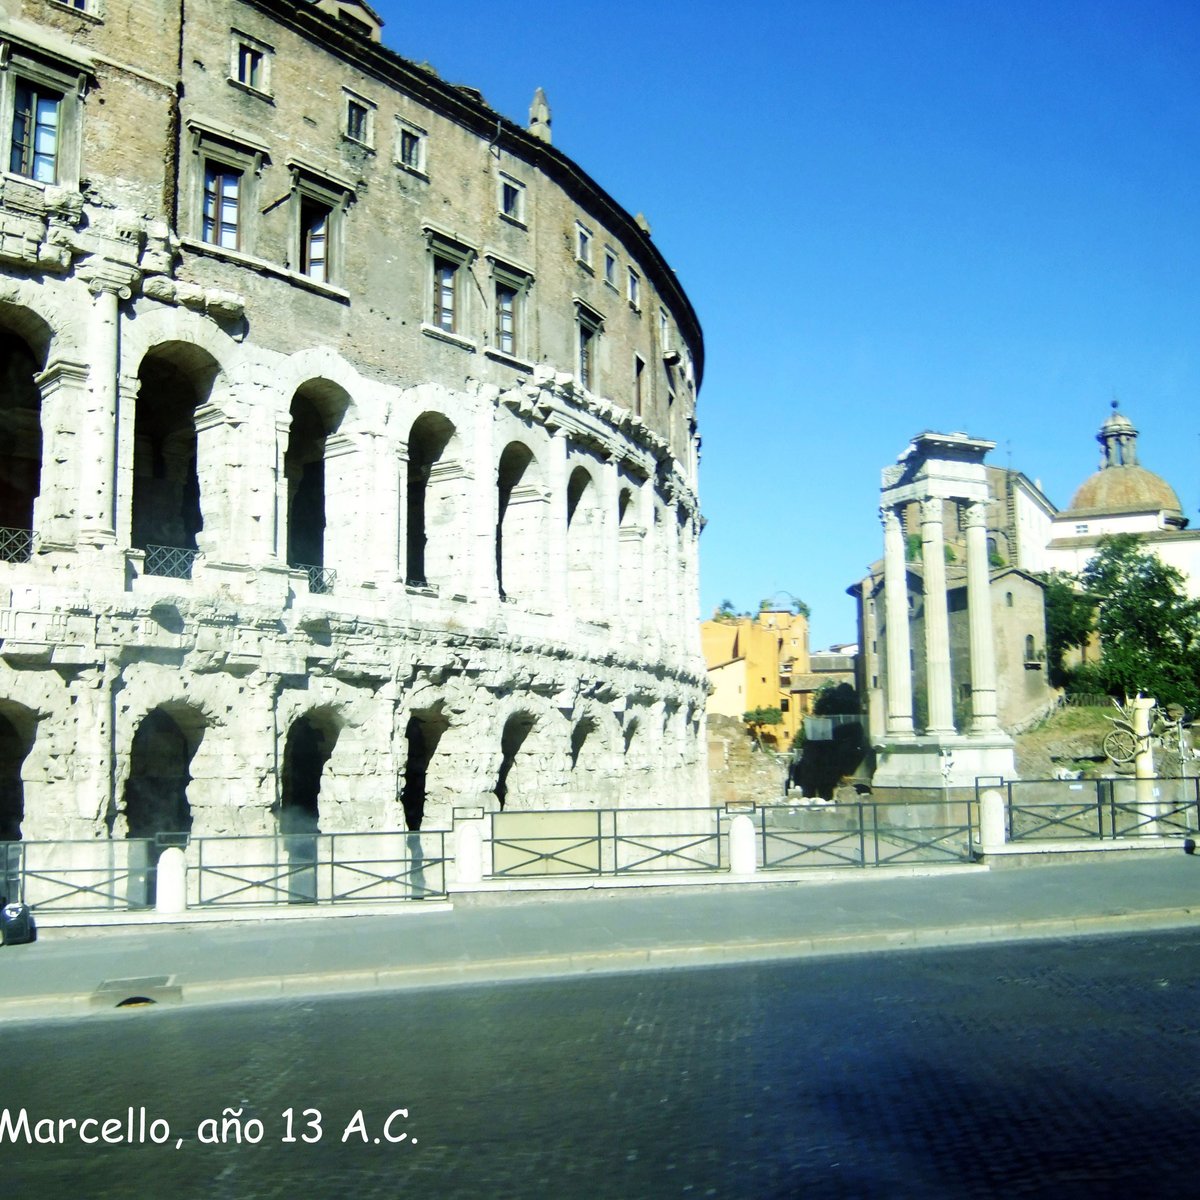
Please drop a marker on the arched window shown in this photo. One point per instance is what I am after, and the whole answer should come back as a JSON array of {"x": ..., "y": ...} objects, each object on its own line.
[
  {"x": 316, "y": 411},
  {"x": 20, "y": 447},
  {"x": 431, "y": 509},
  {"x": 1030, "y": 650},
  {"x": 519, "y": 524},
  {"x": 174, "y": 380},
  {"x": 583, "y": 551}
]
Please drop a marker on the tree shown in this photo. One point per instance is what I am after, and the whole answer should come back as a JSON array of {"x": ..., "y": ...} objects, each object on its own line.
[
  {"x": 758, "y": 718},
  {"x": 1149, "y": 628},
  {"x": 1070, "y": 619}
]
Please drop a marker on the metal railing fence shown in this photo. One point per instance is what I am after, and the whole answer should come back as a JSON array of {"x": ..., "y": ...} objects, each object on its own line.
[
  {"x": 866, "y": 833},
  {"x": 333, "y": 868},
  {"x": 1101, "y": 809},
  {"x": 612, "y": 841},
  {"x": 121, "y": 874}
]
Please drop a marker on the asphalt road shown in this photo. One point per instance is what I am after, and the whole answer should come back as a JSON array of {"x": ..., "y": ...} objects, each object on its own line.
[{"x": 1038, "y": 1068}]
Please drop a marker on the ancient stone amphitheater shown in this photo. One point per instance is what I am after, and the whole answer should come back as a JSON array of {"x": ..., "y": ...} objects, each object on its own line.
[{"x": 348, "y": 469}]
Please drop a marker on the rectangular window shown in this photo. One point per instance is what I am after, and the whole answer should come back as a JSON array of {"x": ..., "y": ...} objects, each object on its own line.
[
  {"x": 590, "y": 324},
  {"x": 512, "y": 199},
  {"x": 410, "y": 149},
  {"x": 222, "y": 188},
  {"x": 639, "y": 371},
  {"x": 506, "y": 318},
  {"x": 635, "y": 289},
  {"x": 251, "y": 68},
  {"x": 445, "y": 281},
  {"x": 587, "y": 339},
  {"x": 315, "y": 222},
  {"x": 35, "y": 132},
  {"x": 664, "y": 331},
  {"x": 583, "y": 244},
  {"x": 356, "y": 121},
  {"x": 411, "y": 143},
  {"x": 610, "y": 267}
]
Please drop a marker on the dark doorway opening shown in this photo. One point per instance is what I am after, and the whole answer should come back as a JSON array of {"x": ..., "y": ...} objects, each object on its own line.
[
  {"x": 516, "y": 730},
  {"x": 156, "y": 804}
]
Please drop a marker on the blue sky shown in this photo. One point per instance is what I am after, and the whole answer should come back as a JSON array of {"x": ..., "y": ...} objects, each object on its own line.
[{"x": 890, "y": 217}]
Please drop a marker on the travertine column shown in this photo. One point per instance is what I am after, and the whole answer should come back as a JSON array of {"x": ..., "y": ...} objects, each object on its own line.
[
  {"x": 98, "y": 463},
  {"x": 608, "y": 602},
  {"x": 399, "y": 467},
  {"x": 979, "y": 614},
  {"x": 283, "y": 425},
  {"x": 899, "y": 652},
  {"x": 937, "y": 619},
  {"x": 556, "y": 532},
  {"x": 485, "y": 511},
  {"x": 63, "y": 390}
]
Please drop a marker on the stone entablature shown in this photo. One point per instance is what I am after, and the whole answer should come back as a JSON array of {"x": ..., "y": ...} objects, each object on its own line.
[{"x": 293, "y": 525}]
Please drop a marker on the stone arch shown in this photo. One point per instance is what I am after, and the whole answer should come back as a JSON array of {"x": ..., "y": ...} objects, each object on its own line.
[
  {"x": 155, "y": 797},
  {"x": 629, "y": 734},
  {"x": 584, "y": 552},
  {"x": 309, "y": 744},
  {"x": 179, "y": 327},
  {"x": 435, "y": 502},
  {"x": 23, "y": 349},
  {"x": 631, "y": 535},
  {"x": 316, "y": 485},
  {"x": 593, "y": 759},
  {"x": 23, "y": 314},
  {"x": 423, "y": 733},
  {"x": 511, "y": 778},
  {"x": 175, "y": 380},
  {"x": 18, "y": 728},
  {"x": 520, "y": 524}
]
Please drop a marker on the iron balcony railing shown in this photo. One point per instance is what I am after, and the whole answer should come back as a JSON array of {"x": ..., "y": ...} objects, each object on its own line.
[
  {"x": 16, "y": 545},
  {"x": 169, "y": 562},
  {"x": 1101, "y": 809},
  {"x": 321, "y": 580}
]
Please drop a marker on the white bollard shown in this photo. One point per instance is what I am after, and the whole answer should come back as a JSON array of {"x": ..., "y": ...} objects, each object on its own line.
[
  {"x": 743, "y": 856},
  {"x": 468, "y": 851},
  {"x": 992, "y": 826},
  {"x": 170, "y": 891}
]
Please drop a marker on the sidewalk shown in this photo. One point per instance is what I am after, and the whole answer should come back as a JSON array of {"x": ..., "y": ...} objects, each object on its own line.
[{"x": 491, "y": 937}]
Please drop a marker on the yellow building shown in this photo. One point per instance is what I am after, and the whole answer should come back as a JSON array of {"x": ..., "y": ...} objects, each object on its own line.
[{"x": 751, "y": 661}]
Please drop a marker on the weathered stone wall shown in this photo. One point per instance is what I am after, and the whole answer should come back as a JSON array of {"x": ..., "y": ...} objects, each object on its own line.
[{"x": 295, "y": 548}]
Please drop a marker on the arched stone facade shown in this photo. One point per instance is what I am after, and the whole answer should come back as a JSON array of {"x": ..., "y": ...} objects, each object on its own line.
[{"x": 294, "y": 541}]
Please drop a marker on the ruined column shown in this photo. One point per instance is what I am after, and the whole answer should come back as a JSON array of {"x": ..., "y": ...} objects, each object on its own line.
[
  {"x": 899, "y": 651},
  {"x": 979, "y": 615},
  {"x": 937, "y": 619}
]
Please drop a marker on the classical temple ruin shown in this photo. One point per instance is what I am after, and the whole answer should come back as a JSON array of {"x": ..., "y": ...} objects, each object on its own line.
[{"x": 349, "y": 458}]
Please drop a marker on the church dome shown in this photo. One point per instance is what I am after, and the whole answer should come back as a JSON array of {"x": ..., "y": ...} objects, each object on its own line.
[
  {"x": 1121, "y": 485},
  {"x": 1126, "y": 489}
]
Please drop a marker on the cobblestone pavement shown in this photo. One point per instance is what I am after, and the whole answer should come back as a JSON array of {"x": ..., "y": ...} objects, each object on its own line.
[{"x": 1047, "y": 1068}]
